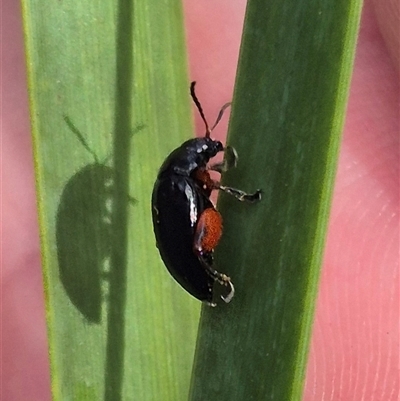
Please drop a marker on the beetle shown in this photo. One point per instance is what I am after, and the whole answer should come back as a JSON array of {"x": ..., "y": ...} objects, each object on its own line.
[{"x": 186, "y": 224}]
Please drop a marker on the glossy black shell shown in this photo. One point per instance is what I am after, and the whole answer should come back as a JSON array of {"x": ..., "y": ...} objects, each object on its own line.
[{"x": 177, "y": 202}]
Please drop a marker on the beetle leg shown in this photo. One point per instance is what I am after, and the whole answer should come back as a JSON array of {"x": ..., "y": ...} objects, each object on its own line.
[
  {"x": 229, "y": 297},
  {"x": 222, "y": 278},
  {"x": 230, "y": 161},
  {"x": 203, "y": 177},
  {"x": 239, "y": 194}
]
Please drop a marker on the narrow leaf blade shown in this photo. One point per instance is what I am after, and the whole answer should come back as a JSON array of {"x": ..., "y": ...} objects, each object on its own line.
[{"x": 288, "y": 110}]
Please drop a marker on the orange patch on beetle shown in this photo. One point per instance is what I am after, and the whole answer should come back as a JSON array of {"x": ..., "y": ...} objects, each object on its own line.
[
  {"x": 208, "y": 230},
  {"x": 203, "y": 176}
]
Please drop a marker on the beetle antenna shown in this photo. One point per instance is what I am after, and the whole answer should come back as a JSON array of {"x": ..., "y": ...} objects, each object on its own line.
[
  {"x": 220, "y": 114},
  {"x": 199, "y": 108},
  {"x": 80, "y": 137}
]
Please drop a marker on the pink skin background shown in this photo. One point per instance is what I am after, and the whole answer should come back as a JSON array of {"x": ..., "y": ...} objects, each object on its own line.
[{"x": 355, "y": 343}]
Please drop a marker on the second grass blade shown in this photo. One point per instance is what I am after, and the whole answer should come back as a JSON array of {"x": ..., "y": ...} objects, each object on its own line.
[{"x": 288, "y": 111}]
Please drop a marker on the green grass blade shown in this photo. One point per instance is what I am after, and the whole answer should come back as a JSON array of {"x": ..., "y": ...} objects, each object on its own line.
[
  {"x": 109, "y": 99},
  {"x": 288, "y": 111}
]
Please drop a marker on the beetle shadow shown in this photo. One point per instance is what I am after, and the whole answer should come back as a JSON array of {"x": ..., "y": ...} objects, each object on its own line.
[
  {"x": 84, "y": 234},
  {"x": 83, "y": 238}
]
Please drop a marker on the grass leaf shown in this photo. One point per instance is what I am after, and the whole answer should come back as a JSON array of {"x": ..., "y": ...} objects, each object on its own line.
[
  {"x": 287, "y": 116},
  {"x": 109, "y": 99}
]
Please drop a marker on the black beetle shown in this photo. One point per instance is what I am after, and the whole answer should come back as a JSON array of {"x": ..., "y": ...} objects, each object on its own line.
[{"x": 186, "y": 224}]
